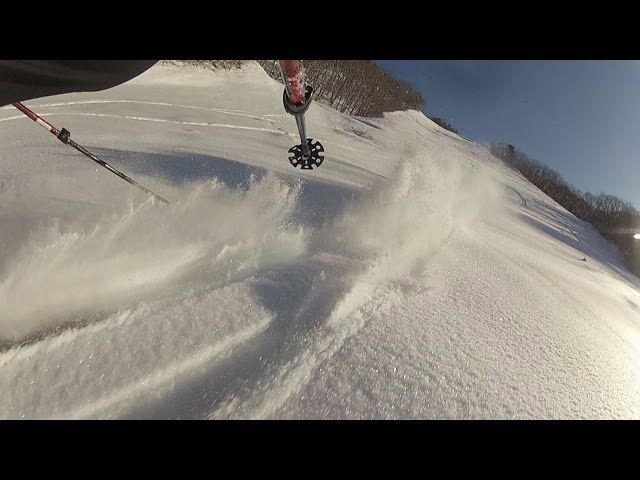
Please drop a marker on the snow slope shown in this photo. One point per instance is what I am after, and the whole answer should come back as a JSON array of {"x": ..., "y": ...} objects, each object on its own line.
[{"x": 411, "y": 276}]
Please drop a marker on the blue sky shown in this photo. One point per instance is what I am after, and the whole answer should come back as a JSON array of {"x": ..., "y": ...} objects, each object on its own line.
[{"x": 581, "y": 118}]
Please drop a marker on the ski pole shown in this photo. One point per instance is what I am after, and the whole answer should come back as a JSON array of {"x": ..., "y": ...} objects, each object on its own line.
[
  {"x": 297, "y": 99},
  {"x": 63, "y": 135}
]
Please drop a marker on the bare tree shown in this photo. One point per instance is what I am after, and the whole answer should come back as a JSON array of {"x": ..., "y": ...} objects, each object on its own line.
[
  {"x": 355, "y": 87},
  {"x": 613, "y": 217}
]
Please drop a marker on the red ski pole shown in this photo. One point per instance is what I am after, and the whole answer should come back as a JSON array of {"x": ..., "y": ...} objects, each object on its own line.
[
  {"x": 63, "y": 136},
  {"x": 297, "y": 98}
]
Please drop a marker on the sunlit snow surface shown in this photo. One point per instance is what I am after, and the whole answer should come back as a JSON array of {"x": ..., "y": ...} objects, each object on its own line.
[{"x": 412, "y": 275}]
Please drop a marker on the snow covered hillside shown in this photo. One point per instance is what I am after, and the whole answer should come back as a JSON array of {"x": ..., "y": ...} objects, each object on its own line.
[{"x": 412, "y": 275}]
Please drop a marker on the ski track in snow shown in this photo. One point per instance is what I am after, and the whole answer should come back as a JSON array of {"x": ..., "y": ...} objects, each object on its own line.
[
  {"x": 139, "y": 102},
  {"x": 161, "y": 120},
  {"x": 419, "y": 294},
  {"x": 400, "y": 230},
  {"x": 199, "y": 124}
]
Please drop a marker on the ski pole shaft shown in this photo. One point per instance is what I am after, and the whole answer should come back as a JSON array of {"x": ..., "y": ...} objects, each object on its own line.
[
  {"x": 303, "y": 133},
  {"x": 296, "y": 99},
  {"x": 63, "y": 136}
]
